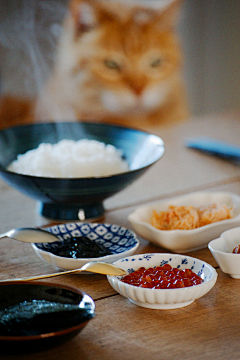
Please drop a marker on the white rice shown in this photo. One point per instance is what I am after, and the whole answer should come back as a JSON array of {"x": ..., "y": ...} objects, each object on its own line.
[{"x": 71, "y": 159}]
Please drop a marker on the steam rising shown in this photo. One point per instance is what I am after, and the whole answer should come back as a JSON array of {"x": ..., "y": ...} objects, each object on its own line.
[{"x": 29, "y": 30}]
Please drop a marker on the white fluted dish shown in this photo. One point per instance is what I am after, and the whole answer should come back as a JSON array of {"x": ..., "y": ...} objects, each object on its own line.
[
  {"x": 184, "y": 241},
  {"x": 164, "y": 298}
]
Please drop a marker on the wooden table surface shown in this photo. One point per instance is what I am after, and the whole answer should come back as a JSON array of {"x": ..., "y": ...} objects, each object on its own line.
[{"x": 206, "y": 329}]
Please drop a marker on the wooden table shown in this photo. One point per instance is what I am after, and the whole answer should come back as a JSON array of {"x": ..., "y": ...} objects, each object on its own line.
[{"x": 206, "y": 329}]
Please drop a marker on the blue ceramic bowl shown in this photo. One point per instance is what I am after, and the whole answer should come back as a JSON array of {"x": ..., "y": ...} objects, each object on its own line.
[
  {"x": 119, "y": 240},
  {"x": 76, "y": 198},
  {"x": 45, "y": 314}
]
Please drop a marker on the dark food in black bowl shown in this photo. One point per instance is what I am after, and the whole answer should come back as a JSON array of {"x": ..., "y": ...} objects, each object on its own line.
[
  {"x": 81, "y": 247},
  {"x": 36, "y": 315}
]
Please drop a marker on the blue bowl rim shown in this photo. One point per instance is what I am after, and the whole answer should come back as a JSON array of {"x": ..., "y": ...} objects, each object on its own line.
[{"x": 161, "y": 143}]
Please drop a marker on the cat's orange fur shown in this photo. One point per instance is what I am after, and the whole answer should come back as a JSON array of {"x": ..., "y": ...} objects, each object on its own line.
[
  {"x": 16, "y": 111},
  {"x": 116, "y": 62}
]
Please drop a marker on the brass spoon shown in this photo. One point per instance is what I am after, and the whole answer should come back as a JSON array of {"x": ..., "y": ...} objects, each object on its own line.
[
  {"x": 92, "y": 266},
  {"x": 32, "y": 235}
]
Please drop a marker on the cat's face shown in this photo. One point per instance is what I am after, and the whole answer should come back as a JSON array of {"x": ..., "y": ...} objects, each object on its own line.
[{"x": 131, "y": 61}]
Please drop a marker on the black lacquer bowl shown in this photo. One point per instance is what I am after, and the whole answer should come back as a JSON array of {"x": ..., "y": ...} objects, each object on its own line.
[
  {"x": 37, "y": 315},
  {"x": 76, "y": 198}
]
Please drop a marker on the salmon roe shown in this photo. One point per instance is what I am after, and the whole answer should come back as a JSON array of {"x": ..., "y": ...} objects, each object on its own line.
[
  {"x": 236, "y": 250},
  {"x": 162, "y": 277}
]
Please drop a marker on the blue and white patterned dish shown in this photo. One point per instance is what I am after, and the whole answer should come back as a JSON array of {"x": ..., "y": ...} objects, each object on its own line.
[
  {"x": 164, "y": 298},
  {"x": 119, "y": 240}
]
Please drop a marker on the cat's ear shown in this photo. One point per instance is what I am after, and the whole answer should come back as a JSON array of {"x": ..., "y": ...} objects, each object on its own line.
[
  {"x": 84, "y": 17},
  {"x": 169, "y": 16}
]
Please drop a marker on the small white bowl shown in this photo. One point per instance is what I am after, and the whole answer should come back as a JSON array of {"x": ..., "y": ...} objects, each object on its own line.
[
  {"x": 184, "y": 241},
  {"x": 221, "y": 249},
  {"x": 119, "y": 240},
  {"x": 164, "y": 298}
]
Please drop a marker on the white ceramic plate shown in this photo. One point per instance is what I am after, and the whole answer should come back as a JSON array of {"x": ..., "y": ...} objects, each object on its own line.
[
  {"x": 183, "y": 241},
  {"x": 119, "y": 240},
  {"x": 164, "y": 298}
]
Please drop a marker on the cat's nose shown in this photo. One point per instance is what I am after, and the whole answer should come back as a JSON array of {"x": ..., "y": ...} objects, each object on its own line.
[
  {"x": 137, "y": 89},
  {"x": 136, "y": 84}
]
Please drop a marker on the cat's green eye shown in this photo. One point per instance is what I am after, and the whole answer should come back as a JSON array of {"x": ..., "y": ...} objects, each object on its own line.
[
  {"x": 156, "y": 63},
  {"x": 112, "y": 64}
]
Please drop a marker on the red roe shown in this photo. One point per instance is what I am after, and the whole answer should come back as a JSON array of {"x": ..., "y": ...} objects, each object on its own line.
[
  {"x": 162, "y": 277},
  {"x": 236, "y": 250}
]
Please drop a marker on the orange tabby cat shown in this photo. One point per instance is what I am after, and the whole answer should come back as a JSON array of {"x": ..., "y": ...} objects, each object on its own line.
[{"x": 117, "y": 61}]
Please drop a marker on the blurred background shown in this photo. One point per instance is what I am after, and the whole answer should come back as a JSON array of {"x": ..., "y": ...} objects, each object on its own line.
[{"x": 209, "y": 31}]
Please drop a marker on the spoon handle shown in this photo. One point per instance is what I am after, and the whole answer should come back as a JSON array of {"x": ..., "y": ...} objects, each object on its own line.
[{"x": 43, "y": 276}]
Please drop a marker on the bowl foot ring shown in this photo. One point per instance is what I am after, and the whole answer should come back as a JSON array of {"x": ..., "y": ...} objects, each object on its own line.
[{"x": 78, "y": 212}]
